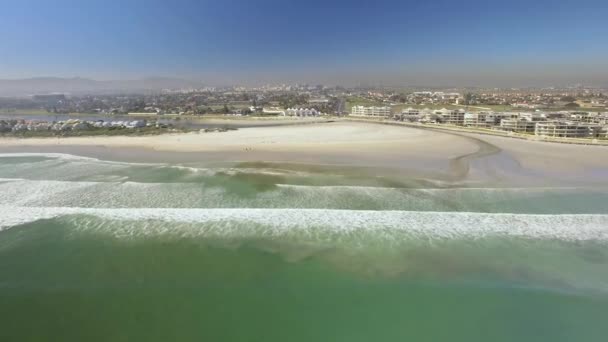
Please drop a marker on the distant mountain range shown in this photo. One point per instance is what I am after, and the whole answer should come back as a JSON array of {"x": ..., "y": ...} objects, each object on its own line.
[{"x": 75, "y": 86}]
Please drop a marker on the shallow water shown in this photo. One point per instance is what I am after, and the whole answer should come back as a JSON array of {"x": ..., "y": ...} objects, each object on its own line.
[{"x": 110, "y": 251}]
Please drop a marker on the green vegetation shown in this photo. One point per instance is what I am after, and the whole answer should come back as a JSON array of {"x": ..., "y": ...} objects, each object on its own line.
[
  {"x": 361, "y": 101},
  {"x": 399, "y": 108},
  {"x": 495, "y": 108},
  {"x": 468, "y": 98},
  {"x": 91, "y": 132},
  {"x": 568, "y": 98},
  {"x": 38, "y": 111},
  {"x": 33, "y": 111}
]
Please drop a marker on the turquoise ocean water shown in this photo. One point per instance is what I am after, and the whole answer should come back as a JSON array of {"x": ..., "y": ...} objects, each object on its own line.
[{"x": 95, "y": 250}]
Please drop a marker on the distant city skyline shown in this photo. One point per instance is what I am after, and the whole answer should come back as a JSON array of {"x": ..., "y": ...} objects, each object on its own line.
[{"x": 385, "y": 42}]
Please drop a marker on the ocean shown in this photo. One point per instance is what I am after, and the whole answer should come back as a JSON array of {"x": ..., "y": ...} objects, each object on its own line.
[{"x": 94, "y": 250}]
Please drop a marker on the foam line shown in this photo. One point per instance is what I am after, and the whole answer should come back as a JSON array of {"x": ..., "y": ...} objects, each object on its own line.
[
  {"x": 283, "y": 221},
  {"x": 64, "y": 156},
  {"x": 445, "y": 189},
  {"x": 327, "y": 187},
  {"x": 75, "y": 158},
  {"x": 195, "y": 170}
]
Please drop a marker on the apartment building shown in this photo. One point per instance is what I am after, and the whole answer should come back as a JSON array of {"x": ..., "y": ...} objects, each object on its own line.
[
  {"x": 371, "y": 111},
  {"x": 452, "y": 117},
  {"x": 518, "y": 125},
  {"x": 408, "y": 114},
  {"x": 566, "y": 129},
  {"x": 535, "y": 116},
  {"x": 480, "y": 120},
  {"x": 494, "y": 118}
]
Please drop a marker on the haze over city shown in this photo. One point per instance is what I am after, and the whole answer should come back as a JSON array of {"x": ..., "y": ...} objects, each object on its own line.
[{"x": 433, "y": 43}]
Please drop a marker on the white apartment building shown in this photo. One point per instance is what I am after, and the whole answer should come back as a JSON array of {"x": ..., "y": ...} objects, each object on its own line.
[
  {"x": 518, "y": 125},
  {"x": 408, "y": 114},
  {"x": 371, "y": 111},
  {"x": 452, "y": 117},
  {"x": 565, "y": 129},
  {"x": 479, "y": 119},
  {"x": 494, "y": 118}
]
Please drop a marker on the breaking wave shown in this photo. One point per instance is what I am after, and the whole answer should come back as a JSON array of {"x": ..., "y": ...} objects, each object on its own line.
[
  {"x": 322, "y": 223},
  {"x": 226, "y": 192}
]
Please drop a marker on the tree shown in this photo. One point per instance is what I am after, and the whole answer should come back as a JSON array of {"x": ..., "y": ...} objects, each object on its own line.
[
  {"x": 571, "y": 105},
  {"x": 398, "y": 98},
  {"x": 568, "y": 99},
  {"x": 468, "y": 98}
]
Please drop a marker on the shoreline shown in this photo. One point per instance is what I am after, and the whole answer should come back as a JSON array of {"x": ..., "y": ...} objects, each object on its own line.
[
  {"x": 339, "y": 144},
  {"x": 383, "y": 148}
]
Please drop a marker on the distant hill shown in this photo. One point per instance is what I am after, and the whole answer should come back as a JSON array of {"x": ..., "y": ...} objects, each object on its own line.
[{"x": 47, "y": 85}]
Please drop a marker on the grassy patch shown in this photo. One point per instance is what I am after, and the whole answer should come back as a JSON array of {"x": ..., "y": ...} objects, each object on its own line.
[
  {"x": 361, "y": 101},
  {"x": 90, "y": 132}
]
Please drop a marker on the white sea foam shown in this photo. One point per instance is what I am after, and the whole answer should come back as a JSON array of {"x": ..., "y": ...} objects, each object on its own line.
[
  {"x": 276, "y": 222},
  {"x": 75, "y": 158},
  {"x": 444, "y": 189},
  {"x": 19, "y": 192},
  {"x": 72, "y": 166},
  {"x": 12, "y": 179},
  {"x": 64, "y": 156},
  {"x": 116, "y": 191}
]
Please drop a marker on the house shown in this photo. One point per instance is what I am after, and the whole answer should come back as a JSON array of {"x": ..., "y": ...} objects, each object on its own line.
[{"x": 302, "y": 112}]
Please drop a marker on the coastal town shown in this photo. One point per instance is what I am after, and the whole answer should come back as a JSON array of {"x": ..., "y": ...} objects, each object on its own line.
[
  {"x": 569, "y": 112},
  {"x": 558, "y": 124}
]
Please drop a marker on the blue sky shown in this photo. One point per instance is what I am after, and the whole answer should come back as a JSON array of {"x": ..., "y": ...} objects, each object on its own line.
[{"x": 233, "y": 41}]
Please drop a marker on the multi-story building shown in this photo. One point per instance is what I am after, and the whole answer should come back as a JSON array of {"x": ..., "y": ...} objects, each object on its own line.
[
  {"x": 518, "y": 125},
  {"x": 428, "y": 116},
  {"x": 452, "y": 117},
  {"x": 587, "y": 117},
  {"x": 566, "y": 129},
  {"x": 371, "y": 111},
  {"x": 409, "y": 114},
  {"x": 494, "y": 118},
  {"x": 557, "y": 115},
  {"x": 534, "y": 116},
  {"x": 602, "y": 132},
  {"x": 479, "y": 119}
]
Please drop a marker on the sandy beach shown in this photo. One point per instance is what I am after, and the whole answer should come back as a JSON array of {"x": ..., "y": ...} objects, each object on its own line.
[
  {"x": 337, "y": 136},
  {"x": 455, "y": 156}
]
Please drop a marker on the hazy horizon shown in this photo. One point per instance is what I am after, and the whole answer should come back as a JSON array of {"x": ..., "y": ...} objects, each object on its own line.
[{"x": 470, "y": 43}]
